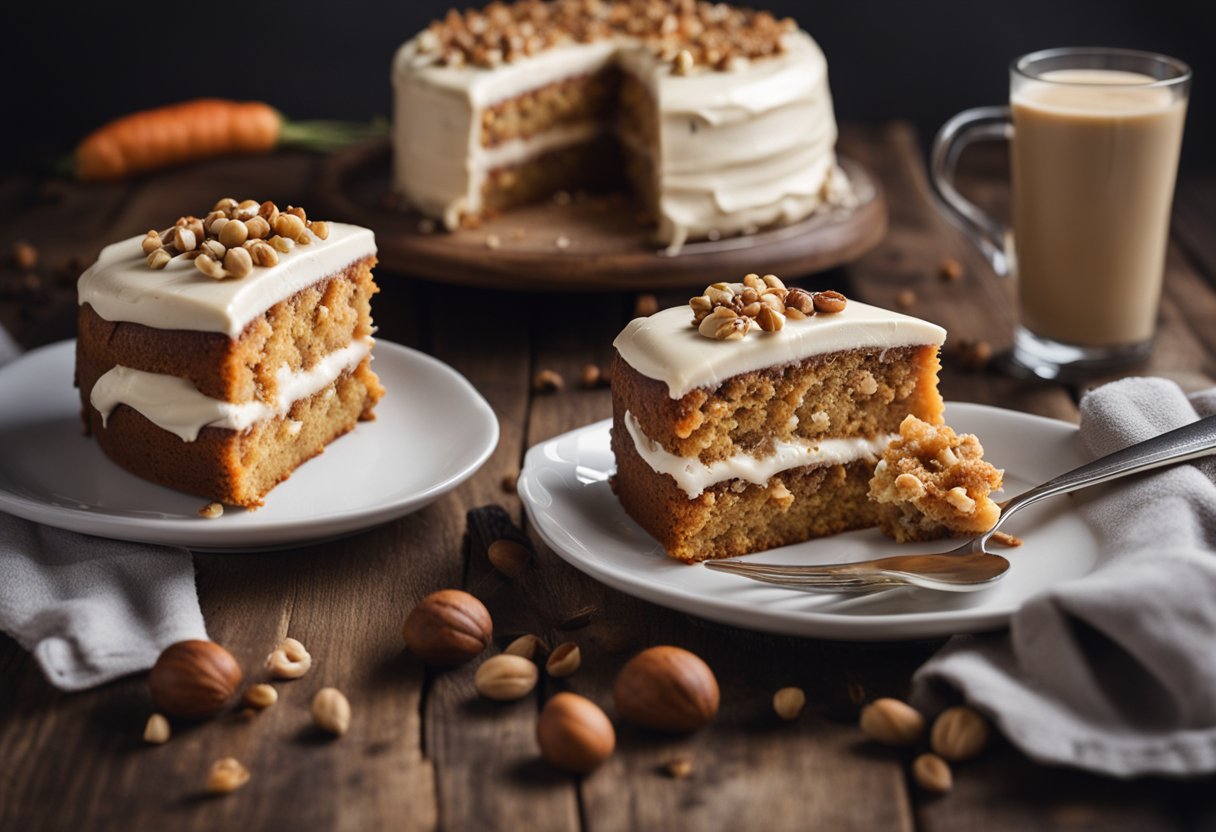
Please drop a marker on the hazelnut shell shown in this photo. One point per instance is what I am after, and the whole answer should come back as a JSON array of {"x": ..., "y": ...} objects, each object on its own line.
[
  {"x": 574, "y": 734},
  {"x": 194, "y": 679},
  {"x": 447, "y": 628},
  {"x": 667, "y": 689}
]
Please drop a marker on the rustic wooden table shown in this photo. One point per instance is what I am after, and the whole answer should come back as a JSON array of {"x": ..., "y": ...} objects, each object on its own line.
[{"x": 424, "y": 751}]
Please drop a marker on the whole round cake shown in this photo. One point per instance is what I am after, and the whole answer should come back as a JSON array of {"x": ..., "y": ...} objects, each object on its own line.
[{"x": 717, "y": 118}]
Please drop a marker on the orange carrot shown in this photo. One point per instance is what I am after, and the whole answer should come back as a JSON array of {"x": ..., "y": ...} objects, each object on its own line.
[
  {"x": 178, "y": 133},
  {"x": 200, "y": 129}
]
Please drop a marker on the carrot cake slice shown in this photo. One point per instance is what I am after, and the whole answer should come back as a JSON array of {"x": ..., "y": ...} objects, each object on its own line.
[
  {"x": 755, "y": 416},
  {"x": 216, "y": 356}
]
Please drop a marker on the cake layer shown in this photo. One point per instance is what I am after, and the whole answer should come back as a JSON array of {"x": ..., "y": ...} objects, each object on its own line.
[
  {"x": 238, "y": 467},
  {"x": 736, "y": 517},
  {"x": 325, "y": 315},
  {"x": 121, "y": 287},
  {"x": 858, "y": 394},
  {"x": 667, "y": 348},
  {"x": 175, "y": 405}
]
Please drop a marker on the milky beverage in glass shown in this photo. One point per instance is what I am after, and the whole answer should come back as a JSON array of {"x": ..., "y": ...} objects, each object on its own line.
[
  {"x": 1094, "y": 161},
  {"x": 1095, "y": 135}
]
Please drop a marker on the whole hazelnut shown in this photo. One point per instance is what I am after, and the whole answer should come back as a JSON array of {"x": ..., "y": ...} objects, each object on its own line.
[
  {"x": 668, "y": 689},
  {"x": 194, "y": 679},
  {"x": 892, "y": 722},
  {"x": 448, "y": 627},
  {"x": 959, "y": 733},
  {"x": 574, "y": 734}
]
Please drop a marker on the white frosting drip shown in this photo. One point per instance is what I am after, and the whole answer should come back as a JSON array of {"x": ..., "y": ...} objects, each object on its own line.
[
  {"x": 694, "y": 476},
  {"x": 121, "y": 287},
  {"x": 666, "y": 347},
  {"x": 738, "y": 149},
  {"x": 177, "y": 406}
]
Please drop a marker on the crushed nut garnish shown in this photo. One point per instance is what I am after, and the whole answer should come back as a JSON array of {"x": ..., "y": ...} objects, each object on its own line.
[
  {"x": 728, "y": 311},
  {"x": 493, "y": 241},
  {"x": 231, "y": 241},
  {"x": 211, "y": 511},
  {"x": 1006, "y": 539},
  {"x": 715, "y": 36}
]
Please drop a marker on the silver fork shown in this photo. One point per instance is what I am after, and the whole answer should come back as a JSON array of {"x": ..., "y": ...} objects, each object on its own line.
[{"x": 970, "y": 567}]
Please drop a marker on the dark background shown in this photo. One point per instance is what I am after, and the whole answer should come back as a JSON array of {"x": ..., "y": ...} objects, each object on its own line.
[{"x": 71, "y": 68}]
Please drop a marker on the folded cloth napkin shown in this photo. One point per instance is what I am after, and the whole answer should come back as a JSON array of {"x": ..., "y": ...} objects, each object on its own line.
[
  {"x": 89, "y": 609},
  {"x": 1115, "y": 671}
]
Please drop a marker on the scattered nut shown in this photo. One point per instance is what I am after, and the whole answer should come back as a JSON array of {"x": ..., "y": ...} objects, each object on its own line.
[
  {"x": 800, "y": 299},
  {"x": 932, "y": 773},
  {"x": 211, "y": 511},
  {"x": 448, "y": 627},
  {"x": 256, "y": 228},
  {"x": 183, "y": 239},
  {"x": 770, "y": 321},
  {"x": 789, "y": 702},
  {"x": 590, "y": 376},
  {"x": 547, "y": 381},
  {"x": 829, "y": 303},
  {"x": 194, "y": 679},
  {"x": 291, "y": 227},
  {"x": 950, "y": 269},
  {"x": 508, "y": 557},
  {"x": 157, "y": 730},
  {"x": 892, "y": 722},
  {"x": 527, "y": 646},
  {"x": 678, "y": 767},
  {"x": 960, "y": 500},
  {"x": 331, "y": 711},
  {"x": 233, "y": 234},
  {"x": 493, "y": 241},
  {"x": 975, "y": 355},
  {"x": 320, "y": 228},
  {"x": 645, "y": 306},
  {"x": 959, "y": 733},
  {"x": 667, "y": 689},
  {"x": 226, "y": 776},
  {"x": 25, "y": 256},
  {"x": 579, "y": 618},
  {"x": 574, "y": 734},
  {"x": 261, "y": 696},
  {"x": 1006, "y": 539},
  {"x": 906, "y": 299},
  {"x": 562, "y": 243},
  {"x": 506, "y": 677},
  {"x": 210, "y": 267},
  {"x": 564, "y": 660},
  {"x": 289, "y": 660},
  {"x": 683, "y": 63},
  {"x": 508, "y": 482},
  {"x": 238, "y": 262}
]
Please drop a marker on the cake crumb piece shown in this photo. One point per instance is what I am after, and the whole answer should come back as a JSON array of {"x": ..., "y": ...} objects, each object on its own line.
[
  {"x": 211, "y": 511},
  {"x": 932, "y": 482}
]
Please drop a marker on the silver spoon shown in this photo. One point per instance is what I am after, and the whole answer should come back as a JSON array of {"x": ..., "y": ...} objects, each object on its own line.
[{"x": 969, "y": 567}]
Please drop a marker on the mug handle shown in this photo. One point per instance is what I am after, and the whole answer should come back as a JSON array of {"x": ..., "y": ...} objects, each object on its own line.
[{"x": 986, "y": 233}]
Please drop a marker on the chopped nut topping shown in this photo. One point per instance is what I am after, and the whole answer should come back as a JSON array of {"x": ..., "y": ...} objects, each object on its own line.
[
  {"x": 211, "y": 511},
  {"x": 761, "y": 301},
  {"x": 958, "y": 498},
  {"x": 233, "y": 238},
  {"x": 713, "y": 35}
]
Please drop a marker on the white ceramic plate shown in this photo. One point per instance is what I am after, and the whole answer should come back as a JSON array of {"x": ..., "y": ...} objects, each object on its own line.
[
  {"x": 564, "y": 486},
  {"x": 431, "y": 432}
]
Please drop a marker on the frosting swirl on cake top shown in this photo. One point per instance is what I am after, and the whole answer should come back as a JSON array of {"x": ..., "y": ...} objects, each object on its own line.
[
  {"x": 121, "y": 287},
  {"x": 666, "y": 347}
]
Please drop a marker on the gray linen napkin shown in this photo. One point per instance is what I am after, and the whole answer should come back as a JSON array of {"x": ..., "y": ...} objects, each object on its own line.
[
  {"x": 89, "y": 609},
  {"x": 1114, "y": 672}
]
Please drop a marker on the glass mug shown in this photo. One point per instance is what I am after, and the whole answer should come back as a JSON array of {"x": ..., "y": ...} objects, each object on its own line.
[{"x": 1095, "y": 135}]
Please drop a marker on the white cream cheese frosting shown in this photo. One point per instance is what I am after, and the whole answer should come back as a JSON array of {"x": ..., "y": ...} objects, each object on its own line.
[
  {"x": 693, "y": 476},
  {"x": 121, "y": 287},
  {"x": 667, "y": 347},
  {"x": 177, "y": 406},
  {"x": 737, "y": 149}
]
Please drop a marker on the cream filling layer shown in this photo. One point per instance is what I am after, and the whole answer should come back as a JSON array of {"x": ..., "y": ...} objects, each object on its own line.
[
  {"x": 176, "y": 405},
  {"x": 694, "y": 476}
]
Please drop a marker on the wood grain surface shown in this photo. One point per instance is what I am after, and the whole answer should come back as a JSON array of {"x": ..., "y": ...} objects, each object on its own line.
[{"x": 424, "y": 751}]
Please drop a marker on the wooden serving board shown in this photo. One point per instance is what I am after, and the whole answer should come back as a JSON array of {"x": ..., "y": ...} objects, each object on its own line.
[{"x": 590, "y": 243}]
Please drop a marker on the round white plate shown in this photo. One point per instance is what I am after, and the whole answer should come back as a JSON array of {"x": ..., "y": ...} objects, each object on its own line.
[
  {"x": 564, "y": 487},
  {"x": 431, "y": 432}
]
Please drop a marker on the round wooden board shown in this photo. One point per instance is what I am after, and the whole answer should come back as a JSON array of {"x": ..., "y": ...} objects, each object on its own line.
[{"x": 607, "y": 248}]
